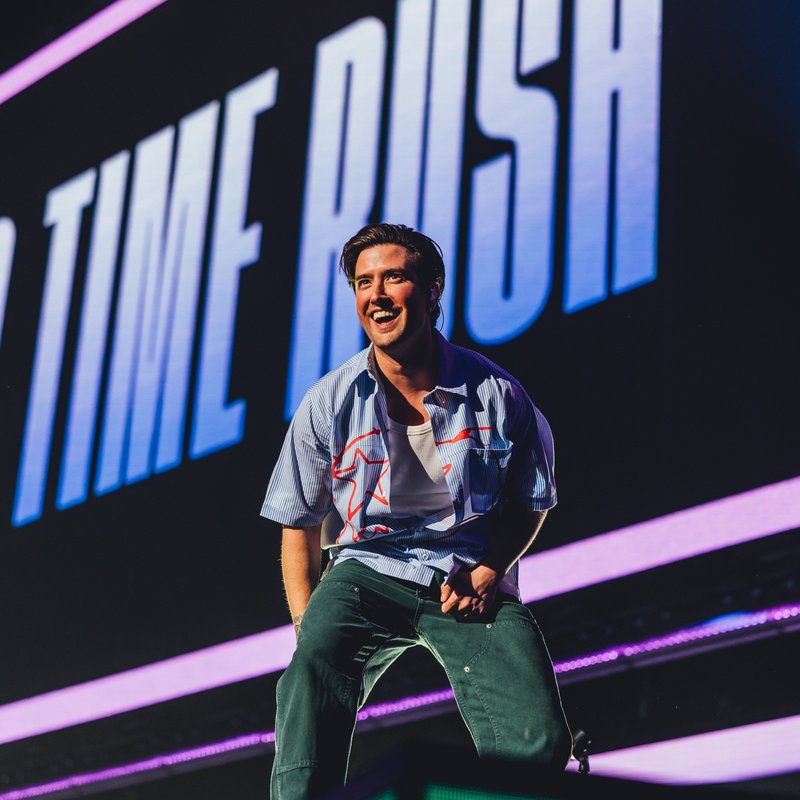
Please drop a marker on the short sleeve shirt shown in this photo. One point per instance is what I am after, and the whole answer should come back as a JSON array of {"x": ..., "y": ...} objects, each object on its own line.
[{"x": 494, "y": 445}]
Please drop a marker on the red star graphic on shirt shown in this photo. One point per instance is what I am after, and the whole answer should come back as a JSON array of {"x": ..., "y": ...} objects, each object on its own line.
[
  {"x": 465, "y": 434},
  {"x": 340, "y": 472}
]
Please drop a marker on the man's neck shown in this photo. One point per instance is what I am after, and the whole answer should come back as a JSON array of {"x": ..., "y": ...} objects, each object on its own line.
[
  {"x": 416, "y": 370},
  {"x": 407, "y": 379}
]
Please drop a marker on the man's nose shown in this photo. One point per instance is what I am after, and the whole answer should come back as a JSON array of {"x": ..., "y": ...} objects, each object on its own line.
[{"x": 378, "y": 291}]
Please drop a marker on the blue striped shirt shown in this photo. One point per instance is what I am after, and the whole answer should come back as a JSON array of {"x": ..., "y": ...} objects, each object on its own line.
[{"x": 494, "y": 444}]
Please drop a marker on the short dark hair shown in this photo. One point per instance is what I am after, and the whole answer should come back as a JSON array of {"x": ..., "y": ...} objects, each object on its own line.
[{"x": 424, "y": 253}]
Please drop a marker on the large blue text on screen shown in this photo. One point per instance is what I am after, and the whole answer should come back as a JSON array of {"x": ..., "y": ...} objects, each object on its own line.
[{"x": 610, "y": 239}]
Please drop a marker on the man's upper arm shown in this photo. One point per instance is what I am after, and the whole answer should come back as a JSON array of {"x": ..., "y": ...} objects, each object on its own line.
[{"x": 531, "y": 475}]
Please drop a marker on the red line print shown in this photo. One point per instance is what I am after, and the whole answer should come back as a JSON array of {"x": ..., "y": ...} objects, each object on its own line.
[
  {"x": 446, "y": 468},
  {"x": 338, "y": 471},
  {"x": 465, "y": 434},
  {"x": 364, "y": 533}
]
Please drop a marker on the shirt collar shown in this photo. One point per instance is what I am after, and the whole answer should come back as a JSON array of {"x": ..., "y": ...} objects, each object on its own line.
[{"x": 451, "y": 379}]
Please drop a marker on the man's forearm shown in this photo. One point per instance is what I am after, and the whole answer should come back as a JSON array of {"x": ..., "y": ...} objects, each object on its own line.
[
  {"x": 516, "y": 530},
  {"x": 473, "y": 592},
  {"x": 300, "y": 562}
]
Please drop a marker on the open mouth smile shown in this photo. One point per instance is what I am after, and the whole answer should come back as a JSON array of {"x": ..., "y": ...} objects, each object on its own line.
[{"x": 384, "y": 318}]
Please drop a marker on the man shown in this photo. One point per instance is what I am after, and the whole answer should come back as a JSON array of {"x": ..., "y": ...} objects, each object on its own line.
[{"x": 441, "y": 472}]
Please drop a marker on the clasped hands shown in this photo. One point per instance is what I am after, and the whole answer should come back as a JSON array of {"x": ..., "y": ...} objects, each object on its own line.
[{"x": 470, "y": 592}]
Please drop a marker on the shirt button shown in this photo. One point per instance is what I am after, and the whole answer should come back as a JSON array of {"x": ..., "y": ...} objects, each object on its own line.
[
  {"x": 424, "y": 556},
  {"x": 466, "y": 669}
]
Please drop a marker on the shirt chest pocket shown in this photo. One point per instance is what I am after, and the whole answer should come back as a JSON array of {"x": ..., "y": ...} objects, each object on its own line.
[{"x": 486, "y": 473}]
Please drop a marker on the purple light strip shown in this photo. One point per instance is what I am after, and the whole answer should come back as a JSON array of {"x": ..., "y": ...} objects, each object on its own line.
[
  {"x": 69, "y": 46},
  {"x": 684, "y": 534},
  {"x": 380, "y": 710},
  {"x": 721, "y": 523},
  {"x": 139, "y": 767},
  {"x": 733, "y": 754},
  {"x": 707, "y": 630},
  {"x": 747, "y": 752},
  {"x": 230, "y": 662}
]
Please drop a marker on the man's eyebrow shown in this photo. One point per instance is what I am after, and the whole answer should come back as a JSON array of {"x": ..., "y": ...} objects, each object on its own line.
[{"x": 379, "y": 270}]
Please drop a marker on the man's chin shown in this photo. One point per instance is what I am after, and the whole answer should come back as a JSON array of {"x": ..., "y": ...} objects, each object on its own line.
[
  {"x": 396, "y": 347},
  {"x": 384, "y": 339},
  {"x": 385, "y": 343}
]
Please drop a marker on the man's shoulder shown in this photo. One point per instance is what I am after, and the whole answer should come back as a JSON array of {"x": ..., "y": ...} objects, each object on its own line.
[
  {"x": 338, "y": 380},
  {"x": 474, "y": 366},
  {"x": 319, "y": 405}
]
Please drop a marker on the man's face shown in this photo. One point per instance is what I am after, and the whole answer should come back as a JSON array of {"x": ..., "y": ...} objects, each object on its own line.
[{"x": 391, "y": 304}]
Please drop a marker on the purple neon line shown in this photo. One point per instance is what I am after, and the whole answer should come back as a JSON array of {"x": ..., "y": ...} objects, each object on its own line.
[
  {"x": 632, "y": 760},
  {"x": 220, "y": 665},
  {"x": 683, "y": 534},
  {"x": 405, "y": 704},
  {"x": 721, "y": 523},
  {"x": 72, "y": 44},
  {"x": 138, "y": 767},
  {"x": 734, "y": 754},
  {"x": 706, "y": 630},
  {"x": 747, "y": 752}
]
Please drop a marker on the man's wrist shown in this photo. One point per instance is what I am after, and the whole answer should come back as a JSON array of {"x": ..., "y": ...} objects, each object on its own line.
[
  {"x": 485, "y": 578},
  {"x": 489, "y": 567}
]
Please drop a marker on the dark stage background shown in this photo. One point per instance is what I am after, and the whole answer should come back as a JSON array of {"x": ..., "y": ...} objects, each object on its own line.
[{"x": 622, "y": 241}]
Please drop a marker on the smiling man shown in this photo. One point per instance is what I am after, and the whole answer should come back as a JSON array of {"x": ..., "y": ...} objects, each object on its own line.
[{"x": 438, "y": 471}]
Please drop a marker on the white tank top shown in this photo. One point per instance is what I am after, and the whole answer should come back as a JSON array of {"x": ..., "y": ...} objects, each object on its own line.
[{"x": 418, "y": 487}]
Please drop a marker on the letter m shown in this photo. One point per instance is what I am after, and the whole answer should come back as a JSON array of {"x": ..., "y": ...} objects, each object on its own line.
[{"x": 145, "y": 405}]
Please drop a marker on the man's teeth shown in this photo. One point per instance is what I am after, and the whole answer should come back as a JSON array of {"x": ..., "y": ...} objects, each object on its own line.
[{"x": 379, "y": 316}]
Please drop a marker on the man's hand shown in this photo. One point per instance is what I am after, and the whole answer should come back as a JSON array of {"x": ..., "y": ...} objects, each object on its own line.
[{"x": 470, "y": 593}]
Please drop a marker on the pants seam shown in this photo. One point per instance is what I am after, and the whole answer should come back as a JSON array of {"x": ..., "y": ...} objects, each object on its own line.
[
  {"x": 304, "y": 764},
  {"x": 489, "y": 716},
  {"x": 474, "y": 684},
  {"x": 461, "y": 700}
]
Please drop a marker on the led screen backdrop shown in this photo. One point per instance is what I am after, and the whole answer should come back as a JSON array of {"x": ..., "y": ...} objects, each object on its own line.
[{"x": 613, "y": 185}]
